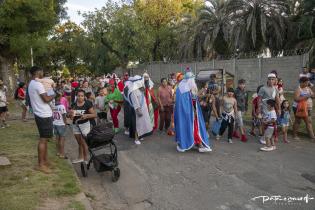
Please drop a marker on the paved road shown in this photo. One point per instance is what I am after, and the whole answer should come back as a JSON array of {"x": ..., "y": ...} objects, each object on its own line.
[{"x": 155, "y": 176}]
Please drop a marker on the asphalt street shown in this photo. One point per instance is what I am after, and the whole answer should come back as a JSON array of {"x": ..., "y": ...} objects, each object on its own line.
[{"x": 233, "y": 176}]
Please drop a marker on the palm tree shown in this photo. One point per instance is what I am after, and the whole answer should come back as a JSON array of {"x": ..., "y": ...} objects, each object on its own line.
[
  {"x": 209, "y": 34},
  {"x": 258, "y": 24}
]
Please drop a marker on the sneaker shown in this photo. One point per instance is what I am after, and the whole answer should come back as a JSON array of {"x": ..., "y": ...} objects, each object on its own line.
[
  {"x": 262, "y": 140},
  {"x": 218, "y": 137},
  {"x": 204, "y": 149},
  {"x": 2, "y": 126},
  {"x": 77, "y": 161},
  {"x": 267, "y": 149},
  {"x": 141, "y": 139},
  {"x": 179, "y": 149},
  {"x": 243, "y": 138},
  {"x": 137, "y": 142},
  {"x": 286, "y": 141},
  {"x": 236, "y": 135},
  {"x": 274, "y": 147},
  {"x": 230, "y": 141},
  {"x": 127, "y": 133}
]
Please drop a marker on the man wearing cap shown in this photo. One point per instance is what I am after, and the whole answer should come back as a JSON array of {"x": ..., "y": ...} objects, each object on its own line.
[
  {"x": 43, "y": 115},
  {"x": 265, "y": 93}
]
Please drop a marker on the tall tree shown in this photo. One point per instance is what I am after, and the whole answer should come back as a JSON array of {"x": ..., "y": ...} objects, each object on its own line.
[{"x": 24, "y": 23}]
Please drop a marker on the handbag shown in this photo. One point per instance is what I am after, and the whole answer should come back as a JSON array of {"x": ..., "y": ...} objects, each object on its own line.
[{"x": 302, "y": 110}]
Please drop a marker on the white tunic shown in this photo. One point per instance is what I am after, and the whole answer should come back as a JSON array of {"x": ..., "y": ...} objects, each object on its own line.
[{"x": 143, "y": 123}]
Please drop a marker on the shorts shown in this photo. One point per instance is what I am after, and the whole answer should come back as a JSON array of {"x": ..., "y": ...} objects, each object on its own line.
[
  {"x": 60, "y": 130},
  {"x": 102, "y": 115},
  {"x": 44, "y": 126},
  {"x": 84, "y": 127},
  {"x": 239, "y": 118},
  {"x": 285, "y": 125},
  {"x": 269, "y": 132},
  {"x": 3, "y": 109},
  {"x": 22, "y": 103}
]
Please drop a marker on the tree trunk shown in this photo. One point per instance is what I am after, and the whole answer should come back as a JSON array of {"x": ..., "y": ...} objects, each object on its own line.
[
  {"x": 156, "y": 48},
  {"x": 7, "y": 75}
]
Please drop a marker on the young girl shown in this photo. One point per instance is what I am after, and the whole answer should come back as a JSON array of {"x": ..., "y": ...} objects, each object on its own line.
[
  {"x": 228, "y": 115},
  {"x": 59, "y": 117},
  {"x": 285, "y": 119}
]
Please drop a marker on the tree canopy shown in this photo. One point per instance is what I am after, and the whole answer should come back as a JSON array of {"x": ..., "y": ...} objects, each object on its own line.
[{"x": 150, "y": 30}]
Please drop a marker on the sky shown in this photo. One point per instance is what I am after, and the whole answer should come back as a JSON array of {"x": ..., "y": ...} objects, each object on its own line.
[{"x": 82, "y": 5}]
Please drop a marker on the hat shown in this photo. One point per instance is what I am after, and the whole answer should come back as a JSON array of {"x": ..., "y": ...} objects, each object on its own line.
[{"x": 272, "y": 75}]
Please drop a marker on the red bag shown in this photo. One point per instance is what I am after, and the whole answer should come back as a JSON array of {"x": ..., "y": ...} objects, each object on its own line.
[{"x": 301, "y": 110}]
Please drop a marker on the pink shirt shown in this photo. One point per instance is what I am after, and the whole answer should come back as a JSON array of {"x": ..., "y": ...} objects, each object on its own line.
[
  {"x": 64, "y": 102},
  {"x": 166, "y": 95}
]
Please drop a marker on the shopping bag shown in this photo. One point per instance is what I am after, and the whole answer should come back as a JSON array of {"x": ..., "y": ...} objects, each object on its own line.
[
  {"x": 216, "y": 127},
  {"x": 301, "y": 110}
]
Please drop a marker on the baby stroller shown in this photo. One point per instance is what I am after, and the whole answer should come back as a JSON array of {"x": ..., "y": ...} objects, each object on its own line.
[{"x": 102, "y": 149}]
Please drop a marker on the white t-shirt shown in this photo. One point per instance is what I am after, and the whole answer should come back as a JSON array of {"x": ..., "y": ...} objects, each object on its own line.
[
  {"x": 270, "y": 116},
  {"x": 40, "y": 108},
  {"x": 58, "y": 112},
  {"x": 3, "y": 98}
]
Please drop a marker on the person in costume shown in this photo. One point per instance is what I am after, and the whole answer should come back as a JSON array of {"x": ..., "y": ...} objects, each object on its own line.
[
  {"x": 140, "y": 122},
  {"x": 127, "y": 107},
  {"x": 114, "y": 99},
  {"x": 151, "y": 100},
  {"x": 190, "y": 128}
]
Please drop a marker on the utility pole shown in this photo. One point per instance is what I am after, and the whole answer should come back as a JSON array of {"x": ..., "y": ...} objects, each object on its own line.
[{"x": 32, "y": 61}]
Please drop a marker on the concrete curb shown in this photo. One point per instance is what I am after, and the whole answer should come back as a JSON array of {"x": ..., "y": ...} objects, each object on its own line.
[{"x": 81, "y": 197}]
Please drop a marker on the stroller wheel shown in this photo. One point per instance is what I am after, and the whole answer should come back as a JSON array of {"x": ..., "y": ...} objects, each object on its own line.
[
  {"x": 84, "y": 169},
  {"x": 115, "y": 174}
]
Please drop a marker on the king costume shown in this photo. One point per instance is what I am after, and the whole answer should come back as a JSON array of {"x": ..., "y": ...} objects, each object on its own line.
[{"x": 190, "y": 128}]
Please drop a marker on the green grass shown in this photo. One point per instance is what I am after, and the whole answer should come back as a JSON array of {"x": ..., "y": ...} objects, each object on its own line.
[
  {"x": 21, "y": 186},
  {"x": 75, "y": 205}
]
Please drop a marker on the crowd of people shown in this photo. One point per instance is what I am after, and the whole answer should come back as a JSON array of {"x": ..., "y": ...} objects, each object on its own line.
[{"x": 176, "y": 108}]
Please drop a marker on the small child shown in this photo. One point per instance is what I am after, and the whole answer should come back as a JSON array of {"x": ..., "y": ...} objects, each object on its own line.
[
  {"x": 285, "y": 119},
  {"x": 241, "y": 97},
  {"x": 48, "y": 84},
  {"x": 270, "y": 123},
  {"x": 229, "y": 109},
  {"x": 100, "y": 105},
  {"x": 256, "y": 121},
  {"x": 3, "y": 106},
  {"x": 59, "y": 116}
]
